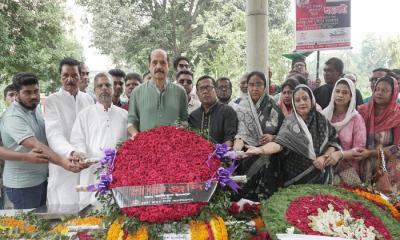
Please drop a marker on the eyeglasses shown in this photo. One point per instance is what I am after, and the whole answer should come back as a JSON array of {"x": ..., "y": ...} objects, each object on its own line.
[
  {"x": 205, "y": 88},
  {"x": 223, "y": 87},
  {"x": 101, "y": 85},
  {"x": 183, "y": 81},
  {"x": 255, "y": 85}
]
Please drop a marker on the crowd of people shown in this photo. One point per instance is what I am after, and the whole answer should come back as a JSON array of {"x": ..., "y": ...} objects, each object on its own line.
[{"x": 304, "y": 133}]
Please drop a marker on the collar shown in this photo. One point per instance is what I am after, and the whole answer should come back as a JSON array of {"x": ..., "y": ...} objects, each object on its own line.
[
  {"x": 211, "y": 108},
  {"x": 153, "y": 83},
  {"x": 62, "y": 91},
  {"x": 100, "y": 107},
  {"x": 18, "y": 105}
]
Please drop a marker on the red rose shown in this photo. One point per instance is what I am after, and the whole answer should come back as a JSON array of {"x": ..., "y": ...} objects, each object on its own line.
[{"x": 164, "y": 155}]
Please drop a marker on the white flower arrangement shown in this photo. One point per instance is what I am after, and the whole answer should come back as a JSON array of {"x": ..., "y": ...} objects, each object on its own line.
[{"x": 334, "y": 223}]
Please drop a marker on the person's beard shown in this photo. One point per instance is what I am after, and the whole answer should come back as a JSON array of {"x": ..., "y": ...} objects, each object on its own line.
[
  {"x": 32, "y": 107},
  {"x": 104, "y": 98},
  {"x": 224, "y": 99}
]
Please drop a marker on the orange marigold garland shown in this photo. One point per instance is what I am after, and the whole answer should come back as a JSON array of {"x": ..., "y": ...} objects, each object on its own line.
[
  {"x": 259, "y": 222},
  {"x": 13, "y": 223},
  {"x": 218, "y": 228},
  {"x": 140, "y": 234},
  {"x": 85, "y": 221},
  {"x": 376, "y": 198},
  {"x": 198, "y": 230},
  {"x": 115, "y": 232}
]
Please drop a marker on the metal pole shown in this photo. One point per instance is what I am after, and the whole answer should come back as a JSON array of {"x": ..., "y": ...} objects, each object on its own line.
[
  {"x": 317, "y": 75},
  {"x": 257, "y": 35}
]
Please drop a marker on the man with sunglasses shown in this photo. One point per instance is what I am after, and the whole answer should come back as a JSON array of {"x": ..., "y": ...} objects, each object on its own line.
[
  {"x": 98, "y": 127},
  {"x": 118, "y": 82},
  {"x": 181, "y": 63},
  {"x": 185, "y": 79},
  {"x": 376, "y": 74}
]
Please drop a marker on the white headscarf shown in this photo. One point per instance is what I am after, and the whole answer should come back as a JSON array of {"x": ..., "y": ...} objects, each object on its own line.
[
  {"x": 303, "y": 125},
  {"x": 351, "y": 110}
]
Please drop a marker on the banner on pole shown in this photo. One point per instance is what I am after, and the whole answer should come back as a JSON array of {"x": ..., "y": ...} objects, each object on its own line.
[{"x": 323, "y": 24}]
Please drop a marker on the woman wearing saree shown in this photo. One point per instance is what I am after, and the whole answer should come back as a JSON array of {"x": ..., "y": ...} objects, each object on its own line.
[
  {"x": 382, "y": 119},
  {"x": 306, "y": 141},
  {"x": 259, "y": 122},
  {"x": 285, "y": 97},
  {"x": 349, "y": 124}
]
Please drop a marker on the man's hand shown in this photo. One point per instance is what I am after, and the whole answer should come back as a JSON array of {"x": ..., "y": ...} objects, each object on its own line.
[
  {"x": 36, "y": 156},
  {"x": 77, "y": 156},
  {"x": 73, "y": 166},
  {"x": 319, "y": 162},
  {"x": 266, "y": 138}
]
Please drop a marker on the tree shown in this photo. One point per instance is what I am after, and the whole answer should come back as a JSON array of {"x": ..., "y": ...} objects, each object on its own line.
[
  {"x": 33, "y": 39},
  {"x": 205, "y": 31}
]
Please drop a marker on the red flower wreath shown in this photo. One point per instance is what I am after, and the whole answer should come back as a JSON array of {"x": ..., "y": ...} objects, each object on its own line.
[
  {"x": 164, "y": 155},
  {"x": 299, "y": 210}
]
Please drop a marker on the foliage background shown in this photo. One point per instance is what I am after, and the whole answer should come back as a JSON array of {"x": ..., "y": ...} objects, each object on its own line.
[{"x": 36, "y": 34}]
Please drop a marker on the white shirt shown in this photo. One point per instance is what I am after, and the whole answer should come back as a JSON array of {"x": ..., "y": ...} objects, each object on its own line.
[
  {"x": 94, "y": 130},
  {"x": 194, "y": 103},
  {"x": 233, "y": 105},
  {"x": 61, "y": 111}
]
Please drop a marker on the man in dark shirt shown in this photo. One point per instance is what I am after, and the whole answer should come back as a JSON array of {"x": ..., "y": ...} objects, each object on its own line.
[
  {"x": 217, "y": 120},
  {"x": 118, "y": 83},
  {"x": 333, "y": 71}
]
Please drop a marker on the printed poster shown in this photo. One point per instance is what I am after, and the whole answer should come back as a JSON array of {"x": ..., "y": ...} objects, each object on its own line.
[{"x": 323, "y": 24}]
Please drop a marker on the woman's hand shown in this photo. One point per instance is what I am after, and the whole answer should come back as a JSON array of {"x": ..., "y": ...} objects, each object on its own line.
[
  {"x": 266, "y": 138},
  {"x": 333, "y": 158},
  {"x": 319, "y": 162},
  {"x": 361, "y": 154},
  {"x": 253, "y": 151}
]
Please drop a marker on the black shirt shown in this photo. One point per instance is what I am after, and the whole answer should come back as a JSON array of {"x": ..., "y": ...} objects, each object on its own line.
[
  {"x": 220, "y": 121},
  {"x": 323, "y": 95}
]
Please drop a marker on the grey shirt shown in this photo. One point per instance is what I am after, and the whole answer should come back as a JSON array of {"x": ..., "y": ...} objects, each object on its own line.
[{"x": 18, "y": 124}]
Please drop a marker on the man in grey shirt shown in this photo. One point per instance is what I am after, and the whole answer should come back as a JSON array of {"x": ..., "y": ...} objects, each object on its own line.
[{"x": 22, "y": 129}]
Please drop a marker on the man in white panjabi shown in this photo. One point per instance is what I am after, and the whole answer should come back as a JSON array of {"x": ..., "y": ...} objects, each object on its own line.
[
  {"x": 97, "y": 127},
  {"x": 61, "y": 110}
]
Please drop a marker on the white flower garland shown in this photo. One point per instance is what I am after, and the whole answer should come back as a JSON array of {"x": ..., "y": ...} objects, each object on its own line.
[{"x": 334, "y": 223}]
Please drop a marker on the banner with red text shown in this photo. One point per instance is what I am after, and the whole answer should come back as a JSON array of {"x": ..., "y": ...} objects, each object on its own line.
[{"x": 323, "y": 24}]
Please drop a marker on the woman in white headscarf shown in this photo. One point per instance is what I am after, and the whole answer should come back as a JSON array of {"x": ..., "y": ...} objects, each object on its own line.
[{"x": 349, "y": 124}]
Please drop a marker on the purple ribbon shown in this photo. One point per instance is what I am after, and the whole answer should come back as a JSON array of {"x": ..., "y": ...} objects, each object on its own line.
[
  {"x": 102, "y": 186},
  {"x": 109, "y": 155},
  {"x": 224, "y": 177},
  {"x": 106, "y": 178},
  {"x": 221, "y": 150}
]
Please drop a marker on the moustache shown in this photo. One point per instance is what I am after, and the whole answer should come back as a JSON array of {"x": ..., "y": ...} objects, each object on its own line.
[{"x": 161, "y": 71}]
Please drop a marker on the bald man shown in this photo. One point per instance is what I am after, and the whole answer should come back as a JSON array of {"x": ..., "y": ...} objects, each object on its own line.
[{"x": 157, "y": 102}]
